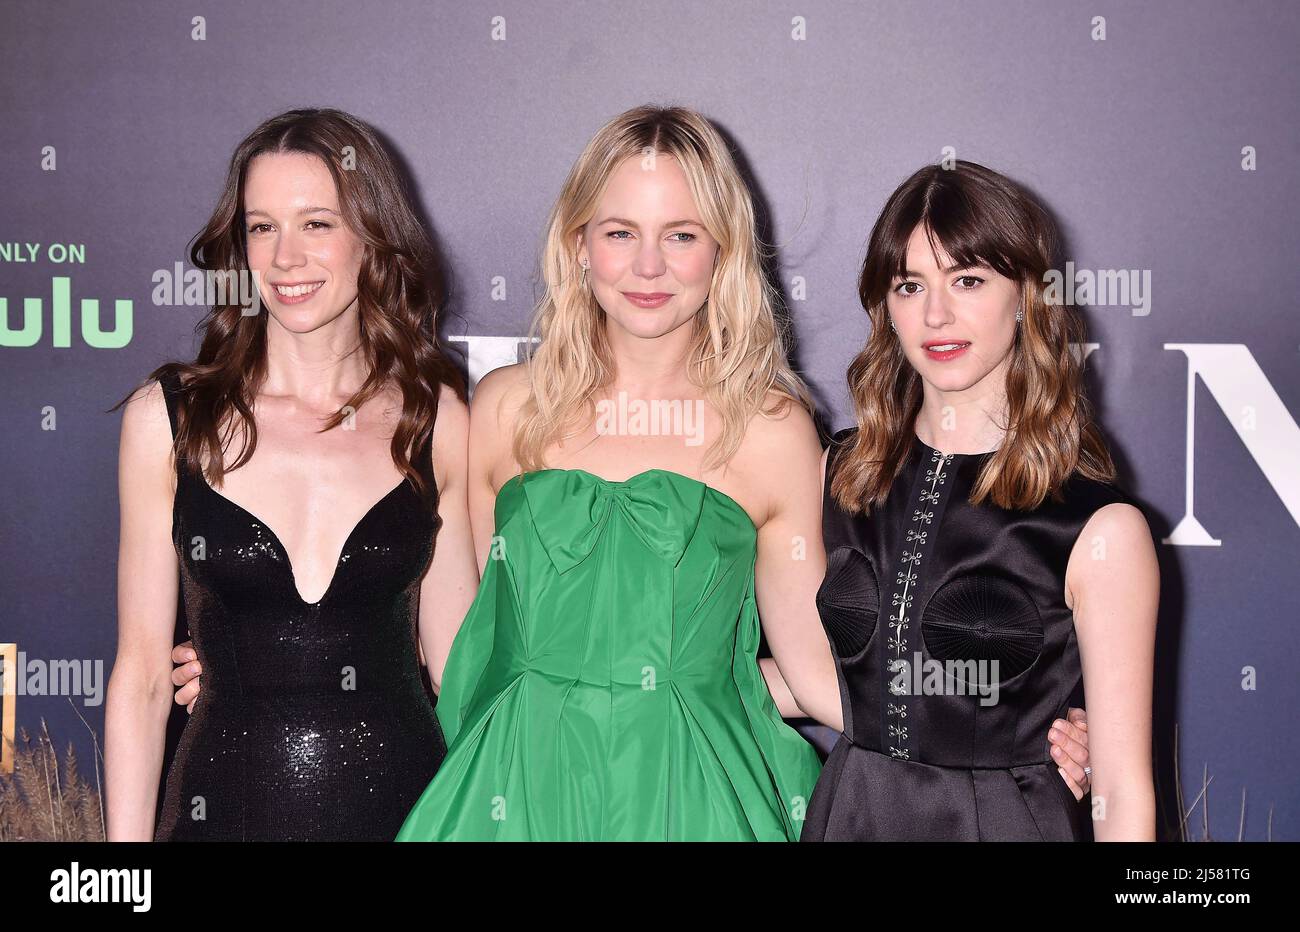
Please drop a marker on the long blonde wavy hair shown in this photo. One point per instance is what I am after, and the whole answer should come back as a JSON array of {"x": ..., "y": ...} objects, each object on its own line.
[
  {"x": 738, "y": 355},
  {"x": 977, "y": 216}
]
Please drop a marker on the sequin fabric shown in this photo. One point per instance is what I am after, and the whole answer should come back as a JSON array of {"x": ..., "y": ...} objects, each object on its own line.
[{"x": 313, "y": 722}]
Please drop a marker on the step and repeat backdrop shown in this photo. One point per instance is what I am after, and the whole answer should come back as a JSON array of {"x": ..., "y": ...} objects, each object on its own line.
[{"x": 1164, "y": 136}]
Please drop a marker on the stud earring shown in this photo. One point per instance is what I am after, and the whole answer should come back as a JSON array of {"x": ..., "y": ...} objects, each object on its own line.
[{"x": 1020, "y": 315}]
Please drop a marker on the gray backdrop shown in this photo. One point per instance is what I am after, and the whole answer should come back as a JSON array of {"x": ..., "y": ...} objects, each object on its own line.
[{"x": 1166, "y": 147}]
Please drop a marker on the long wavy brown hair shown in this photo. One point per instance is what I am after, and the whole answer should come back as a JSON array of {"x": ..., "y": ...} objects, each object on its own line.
[
  {"x": 399, "y": 291},
  {"x": 977, "y": 216}
]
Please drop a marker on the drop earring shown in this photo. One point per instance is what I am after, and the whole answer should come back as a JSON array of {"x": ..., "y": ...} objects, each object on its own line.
[
  {"x": 1020, "y": 315},
  {"x": 584, "y": 273}
]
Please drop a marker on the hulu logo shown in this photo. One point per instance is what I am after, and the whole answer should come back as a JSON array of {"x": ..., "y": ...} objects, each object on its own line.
[{"x": 29, "y": 334}]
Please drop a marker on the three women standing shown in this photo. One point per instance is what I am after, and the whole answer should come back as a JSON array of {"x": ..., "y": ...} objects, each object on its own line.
[{"x": 604, "y": 683}]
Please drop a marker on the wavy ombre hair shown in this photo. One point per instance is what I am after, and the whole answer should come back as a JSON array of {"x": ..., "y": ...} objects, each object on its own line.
[
  {"x": 977, "y": 216},
  {"x": 399, "y": 287},
  {"x": 739, "y": 352}
]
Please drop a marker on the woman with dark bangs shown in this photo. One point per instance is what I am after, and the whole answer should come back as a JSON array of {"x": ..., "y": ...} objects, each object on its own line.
[
  {"x": 336, "y": 430},
  {"x": 983, "y": 572}
]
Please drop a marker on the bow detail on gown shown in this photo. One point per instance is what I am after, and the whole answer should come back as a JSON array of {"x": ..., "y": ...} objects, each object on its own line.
[{"x": 662, "y": 508}]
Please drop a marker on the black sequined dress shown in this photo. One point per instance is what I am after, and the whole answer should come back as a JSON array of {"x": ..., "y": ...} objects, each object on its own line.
[
  {"x": 955, "y": 651},
  {"x": 313, "y": 723}
]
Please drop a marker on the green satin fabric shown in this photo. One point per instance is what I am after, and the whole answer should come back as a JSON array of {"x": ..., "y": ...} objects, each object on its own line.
[{"x": 604, "y": 684}]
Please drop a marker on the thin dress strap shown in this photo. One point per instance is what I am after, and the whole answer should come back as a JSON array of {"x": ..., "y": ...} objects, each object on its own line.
[
  {"x": 171, "y": 386},
  {"x": 424, "y": 465}
]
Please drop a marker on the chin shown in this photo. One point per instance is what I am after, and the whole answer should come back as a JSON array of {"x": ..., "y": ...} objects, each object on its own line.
[
  {"x": 301, "y": 321},
  {"x": 647, "y": 325},
  {"x": 947, "y": 379}
]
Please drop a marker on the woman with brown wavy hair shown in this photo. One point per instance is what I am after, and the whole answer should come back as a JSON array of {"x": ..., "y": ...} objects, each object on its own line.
[
  {"x": 983, "y": 570},
  {"x": 336, "y": 430}
]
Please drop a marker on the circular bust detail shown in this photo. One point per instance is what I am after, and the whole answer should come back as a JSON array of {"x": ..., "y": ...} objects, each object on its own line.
[
  {"x": 983, "y": 618},
  {"x": 848, "y": 601}
]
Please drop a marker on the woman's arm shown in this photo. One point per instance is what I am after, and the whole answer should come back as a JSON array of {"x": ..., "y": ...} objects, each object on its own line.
[
  {"x": 1113, "y": 588},
  {"x": 776, "y": 684},
  {"x": 139, "y": 689},
  {"x": 449, "y": 584},
  {"x": 497, "y": 398},
  {"x": 790, "y": 566},
  {"x": 780, "y": 691}
]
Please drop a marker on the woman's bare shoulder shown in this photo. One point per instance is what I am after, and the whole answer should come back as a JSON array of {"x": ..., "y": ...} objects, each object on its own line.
[
  {"x": 500, "y": 394},
  {"x": 145, "y": 445},
  {"x": 145, "y": 412},
  {"x": 783, "y": 428}
]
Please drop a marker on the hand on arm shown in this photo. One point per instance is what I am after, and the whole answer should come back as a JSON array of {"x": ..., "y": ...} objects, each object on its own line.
[
  {"x": 1069, "y": 742},
  {"x": 186, "y": 674}
]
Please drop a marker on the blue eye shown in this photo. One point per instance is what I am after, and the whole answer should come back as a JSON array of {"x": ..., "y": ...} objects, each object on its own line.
[
  {"x": 614, "y": 234},
  {"x": 689, "y": 236}
]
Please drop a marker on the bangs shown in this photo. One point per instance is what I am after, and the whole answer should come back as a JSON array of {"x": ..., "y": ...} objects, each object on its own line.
[
  {"x": 968, "y": 221},
  {"x": 969, "y": 235}
]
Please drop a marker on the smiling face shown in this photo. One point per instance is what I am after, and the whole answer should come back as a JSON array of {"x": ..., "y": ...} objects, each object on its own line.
[
  {"x": 957, "y": 326},
  {"x": 650, "y": 258},
  {"x": 306, "y": 257}
]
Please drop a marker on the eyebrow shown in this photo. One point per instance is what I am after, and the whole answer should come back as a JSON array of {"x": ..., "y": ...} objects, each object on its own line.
[
  {"x": 305, "y": 210},
  {"x": 909, "y": 273},
  {"x": 622, "y": 221}
]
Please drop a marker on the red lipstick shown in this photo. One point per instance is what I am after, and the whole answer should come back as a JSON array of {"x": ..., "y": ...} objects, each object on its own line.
[{"x": 944, "y": 350}]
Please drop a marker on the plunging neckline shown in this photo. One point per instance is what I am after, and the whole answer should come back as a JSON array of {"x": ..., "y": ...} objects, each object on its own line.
[{"x": 284, "y": 551}]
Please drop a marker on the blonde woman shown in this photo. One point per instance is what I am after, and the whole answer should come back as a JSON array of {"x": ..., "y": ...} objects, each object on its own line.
[{"x": 604, "y": 685}]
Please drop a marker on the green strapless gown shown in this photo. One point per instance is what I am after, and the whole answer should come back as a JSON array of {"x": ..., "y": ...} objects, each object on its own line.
[{"x": 604, "y": 684}]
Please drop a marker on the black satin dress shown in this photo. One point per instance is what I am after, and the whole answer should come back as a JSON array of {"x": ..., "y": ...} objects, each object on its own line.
[
  {"x": 313, "y": 723},
  {"x": 938, "y": 751}
]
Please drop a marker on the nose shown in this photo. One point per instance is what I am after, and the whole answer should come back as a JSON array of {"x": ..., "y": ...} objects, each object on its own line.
[
  {"x": 649, "y": 262},
  {"x": 288, "y": 252},
  {"x": 937, "y": 311}
]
